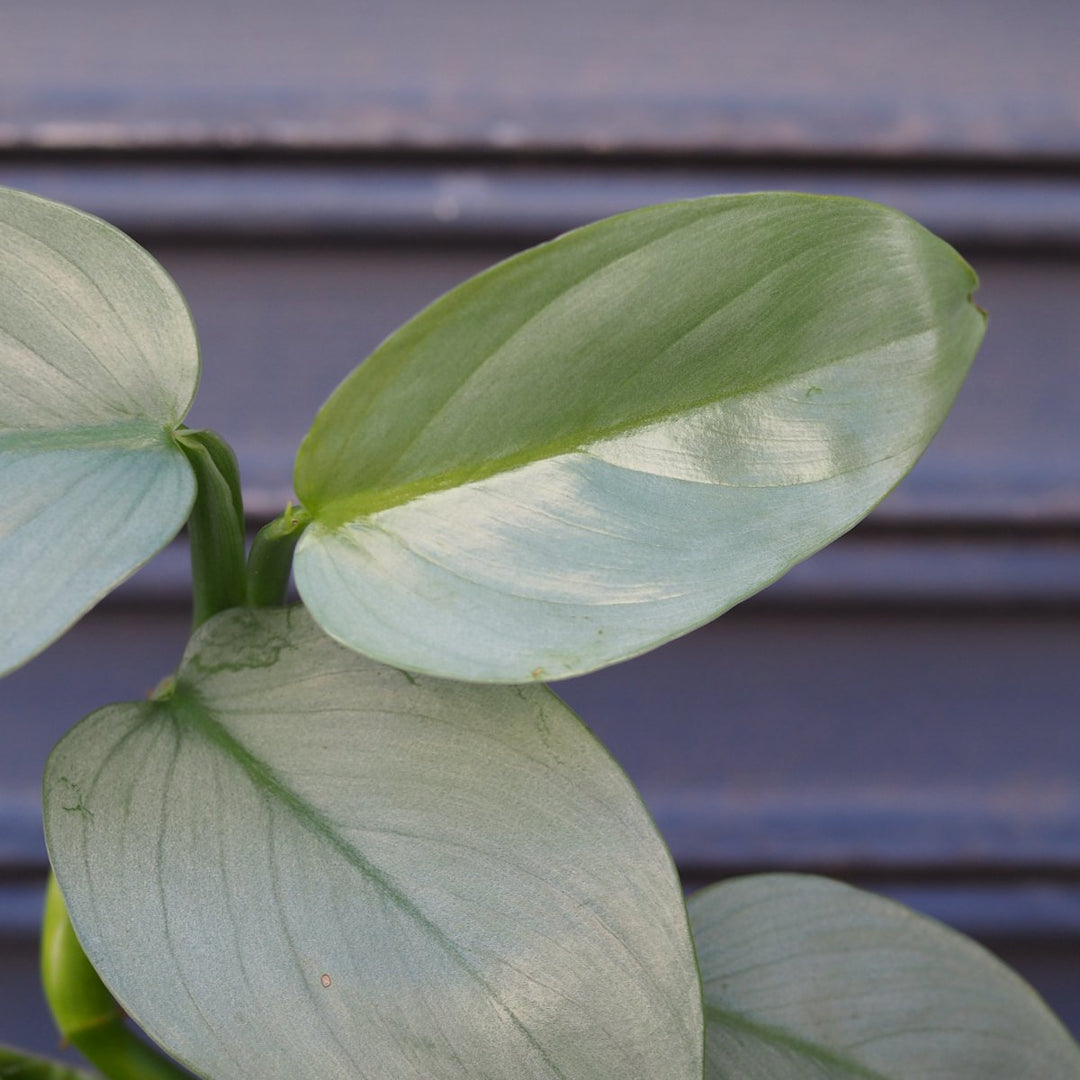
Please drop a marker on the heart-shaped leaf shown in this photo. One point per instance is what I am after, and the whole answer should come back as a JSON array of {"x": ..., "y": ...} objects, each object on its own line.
[
  {"x": 614, "y": 437},
  {"x": 98, "y": 365},
  {"x": 303, "y": 863},
  {"x": 16, "y": 1065},
  {"x": 804, "y": 977}
]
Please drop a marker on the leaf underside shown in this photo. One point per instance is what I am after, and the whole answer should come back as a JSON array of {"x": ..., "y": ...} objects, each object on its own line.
[
  {"x": 337, "y": 869},
  {"x": 98, "y": 363},
  {"x": 808, "y": 979},
  {"x": 610, "y": 439}
]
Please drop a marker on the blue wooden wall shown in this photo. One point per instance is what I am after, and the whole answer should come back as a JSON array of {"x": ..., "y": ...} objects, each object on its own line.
[{"x": 900, "y": 711}]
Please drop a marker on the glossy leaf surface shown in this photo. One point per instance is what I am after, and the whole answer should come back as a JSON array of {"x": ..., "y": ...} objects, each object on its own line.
[
  {"x": 16, "y": 1065},
  {"x": 98, "y": 364},
  {"x": 808, "y": 979},
  {"x": 610, "y": 439},
  {"x": 304, "y": 863}
]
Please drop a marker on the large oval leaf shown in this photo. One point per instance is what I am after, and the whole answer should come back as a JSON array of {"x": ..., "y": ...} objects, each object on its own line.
[
  {"x": 98, "y": 364},
  {"x": 610, "y": 439},
  {"x": 303, "y": 863},
  {"x": 805, "y": 977}
]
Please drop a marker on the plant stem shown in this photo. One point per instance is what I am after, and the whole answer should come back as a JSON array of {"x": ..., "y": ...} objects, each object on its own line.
[
  {"x": 216, "y": 525},
  {"x": 270, "y": 561},
  {"x": 85, "y": 1012}
]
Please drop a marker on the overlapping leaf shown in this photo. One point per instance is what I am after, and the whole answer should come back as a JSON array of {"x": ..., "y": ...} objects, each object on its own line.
[
  {"x": 304, "y": 863},
  {"x": 808, "y": 979},
  {"x": 16, "y": 1065},
  {"x": 98, "y": 364},
  {"x": 614, "y": 437}
]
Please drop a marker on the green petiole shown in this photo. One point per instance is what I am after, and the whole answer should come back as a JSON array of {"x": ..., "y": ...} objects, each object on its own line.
[
  {"x": 216, "y": 525},
  {"x": 270, "y": 561}
]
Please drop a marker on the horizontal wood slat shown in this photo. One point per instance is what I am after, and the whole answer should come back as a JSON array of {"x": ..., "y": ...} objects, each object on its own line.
[
  {"x": 876, "y": 566},
  {"x": 965, "y": 78},
  {"x": 429, "y": 203},
  {"x": 896, "y": 741}
]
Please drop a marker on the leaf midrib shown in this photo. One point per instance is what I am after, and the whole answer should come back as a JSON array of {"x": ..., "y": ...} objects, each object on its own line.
[
  {"x": 729, "y": 1018},
  {"x": 347, "y": 508},
  {"x": 135, "y": 434},
  {"x": 192, "y": 713},
  {"x": 425, "y": 325}
]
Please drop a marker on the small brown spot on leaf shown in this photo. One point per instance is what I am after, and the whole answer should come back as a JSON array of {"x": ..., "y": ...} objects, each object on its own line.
[
  {"x": 537, "y": 672},
  {"x": 325, "y": 980}
]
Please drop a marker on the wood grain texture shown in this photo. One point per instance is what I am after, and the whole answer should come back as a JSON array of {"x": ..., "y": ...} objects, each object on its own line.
[
  {"x": 434, "y": 203},
  {"x": 965, "y": 78}
]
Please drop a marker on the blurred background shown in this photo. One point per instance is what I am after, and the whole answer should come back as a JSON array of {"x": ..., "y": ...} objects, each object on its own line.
[{"x": 901, "y": 710}]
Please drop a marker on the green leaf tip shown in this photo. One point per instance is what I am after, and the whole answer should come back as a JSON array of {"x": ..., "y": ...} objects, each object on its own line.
[
  {"x": 98, "y": 364},
  {"x": 612, "y": 438}
]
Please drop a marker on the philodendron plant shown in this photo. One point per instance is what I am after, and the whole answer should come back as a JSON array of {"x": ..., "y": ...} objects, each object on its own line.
[{"x": 358, "y": 837}]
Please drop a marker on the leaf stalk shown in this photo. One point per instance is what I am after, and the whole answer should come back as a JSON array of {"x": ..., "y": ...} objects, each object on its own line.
[
  {"x": 270, "y": 561},
  {"x": 216, "y": 525}
]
